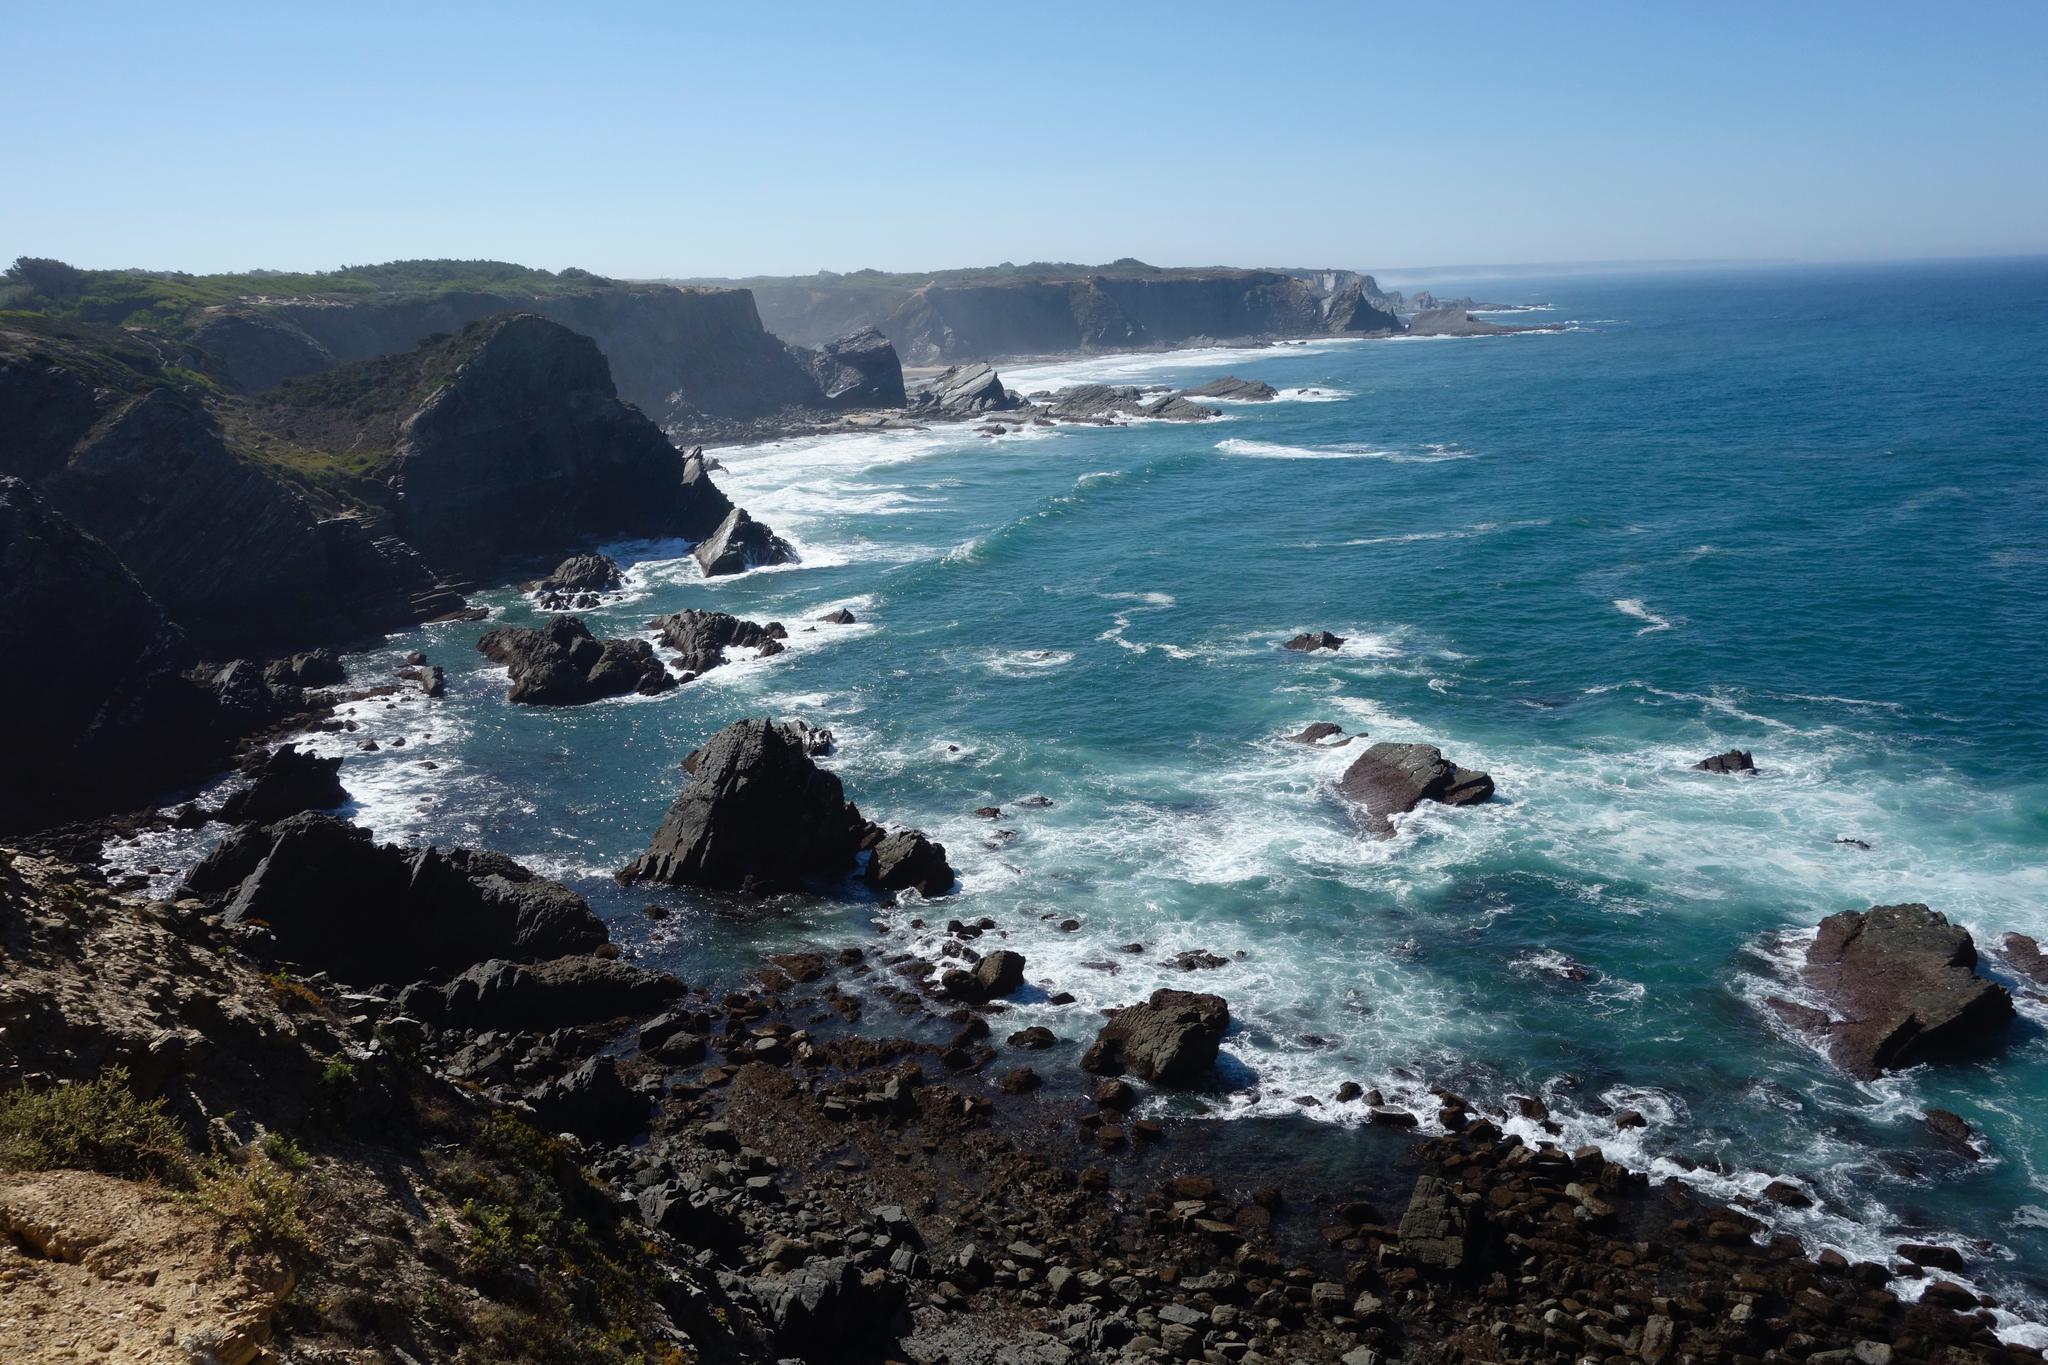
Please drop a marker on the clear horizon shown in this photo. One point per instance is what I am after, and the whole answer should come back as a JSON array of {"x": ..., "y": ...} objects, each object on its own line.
[{"x": 641, "y": 143}]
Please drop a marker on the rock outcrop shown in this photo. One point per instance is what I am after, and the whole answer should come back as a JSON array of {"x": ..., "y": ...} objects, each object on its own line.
[
  {"x": 963, "y": 391},
  {"x": 700, "y": 638},
  {"x": 1393, "y": 779},
  {"x": 1902, "y": 988},
  {"x": 1231, "y": 387},
  {"x": 858, "y": 370},
  {"x": 759, "y": 815},
  {"x": 1734, "y": 761},
  {"x": 739, "y": 544},
  {"x": 906, "y": 861},
  {"x": 285, "y": 782},
  {"x": 561, "y": 664},
  {"x": 1308, "y": 642},
  {"x": 579, "y": 583},
  {"x": 559, "y": 993},
  {"x": 1170, "y": 1040},
  {"x": 327, "y": 896}
]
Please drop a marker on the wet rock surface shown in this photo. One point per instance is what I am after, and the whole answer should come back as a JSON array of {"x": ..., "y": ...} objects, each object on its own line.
[
  {"x": 701, "y": 638},
  {"x": 1393, "y": 779},
  {"x": 1170, "y": 1040},
  {"x": 739, "y": 544},
  {"x": 562, "y": 664}
]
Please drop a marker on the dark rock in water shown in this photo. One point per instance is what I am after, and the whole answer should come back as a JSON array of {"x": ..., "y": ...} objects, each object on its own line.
[
  {"x": 1437, "y": 1230},
  {"x": 1950, "y": 1128},
  {"x": 1197, "y": 960},
  {"x": 1848, "y": 842},
  {"x": 554, "y": 994},
  {"x": 757, "y": 814},
  {"x": 286, "y": 782},
  {"x": 1392, "y": 779},
  {"x": 1174, "y": 408},
  {"x": 314, "y": 668},
  {"x": 841, "y": 617},
  {"x": 1169, "y": 1040},
  {"x": 2024, "y": 956},
  {"x": 1230, "y": 386},
  {"x": 1319, "y": 731},
  {"x": 998, "y": 974},
  {"x": 1902, "y": 984},
  {"x": 907, "y": 859},
  {"x": 1309, "y": 642},
  {"x": 740, "y": 543},
  {"x": 560, "y": 664},
  {"x": 245, "y": 697},
  {"x": 335, "y": 900},
  {"x": 963, "y": 391},
  {"x": 591, "y": 1102},
  {"x": 587, "y": 573},
  {"x": 807, "y": 737},
  {"x": 859, "y": 370},
  {"x": 1734, "y": 761},
  {"x": 702, "y": 637}
]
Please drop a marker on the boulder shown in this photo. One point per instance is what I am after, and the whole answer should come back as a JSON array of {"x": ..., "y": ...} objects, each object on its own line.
[
  {"x": 585, "y": 573},
  {"x": 560, "y": 664},
  {"x": 1902, "y": 987},
  {"x": 841, "y": 617},
  {"x": 1734, "y": 761},
  {"x": 740, "y": 543},
  {"x": 555, "y": 994},
  {"x": 592, "y": 1102},
  {"x": 998, "y": 974},
  {"x": 1170, "y": 1040},
  {"x": 333, "y": 899},
  {"x": 1230, "y": 386},
  {"x": 2024, "y": 956},
  {"x": 1319, "y": 731},
  {"x": 1392, "y": 779},
  {"x": 1310, "y": 641},
  {"x": 1437, "y": 1228},
  {"x": 907, "y": 859},
  {"x": 702, "y": 637},
  {"x": 859, "y": 370},
  {"x": 827, "y": 1311},
  {"x": 757, "y": 813},
  {"x": 287, "y": 781}
]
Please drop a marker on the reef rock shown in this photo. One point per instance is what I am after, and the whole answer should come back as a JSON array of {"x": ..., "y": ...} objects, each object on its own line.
[
  {"x": 1170, "y": 1040},
  {"x": 702, "y": 637},
  {"x": 1230, "y": 386},
  {"x": 1392, "y": 779},
  {"x": 560, "y": 664},
  {"x": 1902, "y": 987}
]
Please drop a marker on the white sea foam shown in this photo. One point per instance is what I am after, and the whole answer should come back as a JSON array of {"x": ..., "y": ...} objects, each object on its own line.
[
  {"x": 1633, "y": 606},
  {"x": 1273, "y": 450},
  {"x": 1148, "y": 365}
]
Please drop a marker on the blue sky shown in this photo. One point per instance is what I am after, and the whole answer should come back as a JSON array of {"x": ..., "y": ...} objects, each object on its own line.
[{"x": 671, "y": 139}]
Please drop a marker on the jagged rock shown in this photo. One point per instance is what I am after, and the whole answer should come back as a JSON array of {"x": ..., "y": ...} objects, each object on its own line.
[
  {"x": 333, "y": 899},
  {"x": 1950, "y": 1128},
  {"x": 2024, "y": 956},
  {"x": 553, "y": 994},
  {"x": 1197, "y": 960},
  {"x": 1230, "y": 386},
  {"x": 1734, "y": 761},
  {"x": 1095, "y": 402},
  {"x": 585, "y": 573},
  {"x": 859, "y": 370},
  {"x": 560, "y": 664},
  {"x": 823, "y": 1310},
  {"x": 1170, "y": 1040},
  {"x": 1392, "y": 779},
  {"x": 591, "y": 1102},
  {"x": 1437, "y": 1229},
  {"x": 314, "y": 668},
  {"x": 841, "y": 617},
  {"x": 1174, "y": 408},
  {"x": 286, "y": 782},
  {"x": 702, "y": 637},
  {"x": 807, "y": 737},
  {"x": 998, "y": 974},
  {"x": 756, "y": 813},
  {"x": 1319, "y": 731},
  {"x": 962, "y": 391},
  {"x": 907, "y": 859},
  {"x": 740, "y": 543},
  {"x": 1310, "y": 641},
  {"x": 1903, "y": 988}
]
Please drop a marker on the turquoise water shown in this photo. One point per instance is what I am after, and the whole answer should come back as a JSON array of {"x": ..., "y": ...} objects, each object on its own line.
[{"x": 1800, "y": 512}]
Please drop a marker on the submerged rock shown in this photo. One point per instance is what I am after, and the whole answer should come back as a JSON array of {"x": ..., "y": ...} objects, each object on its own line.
[
  {"x": 287, "y": 781},
  {"x": 561, "y": 664},
  {"x": 740, "y": 543},
  {"x": 1392, "y": 779},
  {"x": 1170, "y": 1040},
  {"x": 1310, "y": 641},
  {"x": 1902, "y": 985},
  {"x": 702, "y": 637},
  {"x": 1734, "y": 761}
]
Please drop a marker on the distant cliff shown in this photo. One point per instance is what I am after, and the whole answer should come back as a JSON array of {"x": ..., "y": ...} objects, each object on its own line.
[
  {"x": 677, "y": 353},
  {"x": 1053, "y": 308}
]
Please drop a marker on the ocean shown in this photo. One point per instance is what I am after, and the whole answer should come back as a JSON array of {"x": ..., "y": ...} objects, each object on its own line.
[{"x": 1800, "y": 511}]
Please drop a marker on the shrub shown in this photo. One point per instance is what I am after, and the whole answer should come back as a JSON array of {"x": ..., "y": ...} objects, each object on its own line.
[{"x": 96, "y": 1125}]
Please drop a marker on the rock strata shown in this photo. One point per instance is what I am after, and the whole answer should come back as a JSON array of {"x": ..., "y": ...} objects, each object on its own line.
[
  {"x": 1231, "y": 387},
  {"x": 561, "y": 664},
  {"x": 963, "y": 391},
  {"x": 1393, "y": 779},
  {"x": 1902, "y": 987}
]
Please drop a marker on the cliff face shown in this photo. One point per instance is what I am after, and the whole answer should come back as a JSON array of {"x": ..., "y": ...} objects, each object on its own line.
[
  {"x": 964, "y": 316},
  {"x": 527, "y": 448},
  {"x": 139, "y": 462},
  {"x": 674, "y": 352}
]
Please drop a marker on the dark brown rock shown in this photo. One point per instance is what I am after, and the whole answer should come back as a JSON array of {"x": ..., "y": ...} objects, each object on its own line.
[
  {"x": 1392, "y": 779},
  {"x": 561, "y": 664},
  {"x": 1903, "y": 988},
  {"x": 1170, "y": 1040}
]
